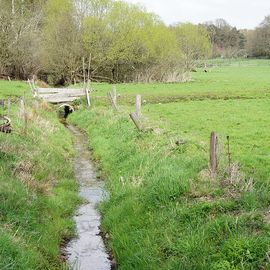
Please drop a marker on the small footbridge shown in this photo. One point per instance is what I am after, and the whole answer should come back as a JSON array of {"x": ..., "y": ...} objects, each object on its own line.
[{"x": 59, "y": 96}]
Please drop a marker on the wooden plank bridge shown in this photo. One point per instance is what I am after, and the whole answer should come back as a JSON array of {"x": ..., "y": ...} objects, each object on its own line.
[{"x": 59, "y": 95}]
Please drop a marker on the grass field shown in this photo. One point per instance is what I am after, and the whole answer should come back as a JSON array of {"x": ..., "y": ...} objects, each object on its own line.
[
  {"x": 246, "y": 79},
  {"x": 38, "y": 193},
  {"x": 164, "y": 211},
  {"x": 13, "y": 89}
]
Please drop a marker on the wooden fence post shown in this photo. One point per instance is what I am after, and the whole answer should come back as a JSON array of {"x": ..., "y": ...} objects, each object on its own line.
[
  {"x": 138, "y": 105},
  {"x": 88, "y": 97},
  {"x": 113, "y": 101},
  {"x": 136, "y": 121},
  {"x": 213, "y": 154},
  {"x": 31, "y": 87},
  {"x": 23, "y": 115},
  {"x": 9, "y": 107},
  {"x": 114, "y": 95}
]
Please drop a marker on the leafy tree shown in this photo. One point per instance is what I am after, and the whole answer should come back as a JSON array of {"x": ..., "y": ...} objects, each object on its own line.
[
  {"x": 124, "y": 47},
  {"x": 259, "y": 40},
  {"x": 61, "y": 49},
  {"x": 19, "y": 37},
  {"x": 193, "y": 42},
  {"x": 226, "y": 40}
]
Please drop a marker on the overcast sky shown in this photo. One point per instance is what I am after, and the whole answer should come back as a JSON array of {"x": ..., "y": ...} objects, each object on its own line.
[{"x": 239, "y": 13}]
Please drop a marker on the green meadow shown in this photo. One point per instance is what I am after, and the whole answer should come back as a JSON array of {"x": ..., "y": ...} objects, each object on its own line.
[
  {"x": 244, "y": 79},
  {"x": 165, "y": 211}
]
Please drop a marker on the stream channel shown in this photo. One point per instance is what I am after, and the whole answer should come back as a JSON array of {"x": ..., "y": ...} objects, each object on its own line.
[{"x": 87, "y": 251}]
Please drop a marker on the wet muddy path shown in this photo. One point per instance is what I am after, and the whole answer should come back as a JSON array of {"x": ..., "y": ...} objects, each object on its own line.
[{"x": 87, "y": 251}]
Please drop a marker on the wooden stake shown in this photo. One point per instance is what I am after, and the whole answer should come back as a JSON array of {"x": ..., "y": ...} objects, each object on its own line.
[
  {"x": 23, "y": 115},
  {"x": 136, "y": 121},
  {"x": 229, "y": 157},
  {"x": 84, "y": 79},
  {"x": 84, "y": 85},
  {"x": 138, "y": 105},
  {"x": 9, "y": 106},
  {"x": 87, "y": 97},
  {"x": 35, "y": 105},
  {"x": 34, "y": 88},
  {"x": 31, "y": 87},
  {"x": 114, "y": 95},
  {"x": 213, "y": 154},
  {"x": 88, "y": 81},
  {"x": 112, "y": 100}
]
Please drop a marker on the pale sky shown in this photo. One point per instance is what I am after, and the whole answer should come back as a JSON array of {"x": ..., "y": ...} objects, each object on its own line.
[{"x": 239, "y": 13}]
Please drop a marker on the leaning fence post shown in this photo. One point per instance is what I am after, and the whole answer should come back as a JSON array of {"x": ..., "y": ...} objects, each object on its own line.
[
  {"x": 136, "y": 121},
  {"x": 113, "y": 101},
  {"x": 138, "y": 105},
  {"x": 114, "y": 95},
  {"x": 213, "y": 154}
]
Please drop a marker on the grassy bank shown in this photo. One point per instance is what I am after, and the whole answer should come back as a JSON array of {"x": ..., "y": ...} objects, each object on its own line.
[
  {"x": 164, "y": 211},
  {"x": 38, "y": 192}
]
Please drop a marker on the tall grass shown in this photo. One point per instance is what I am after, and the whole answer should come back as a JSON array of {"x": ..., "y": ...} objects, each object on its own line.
[{"x": 38, "y": 192}]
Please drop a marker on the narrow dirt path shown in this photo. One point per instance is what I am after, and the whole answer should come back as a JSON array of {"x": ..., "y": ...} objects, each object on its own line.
[{"x": 87, "y": 252}]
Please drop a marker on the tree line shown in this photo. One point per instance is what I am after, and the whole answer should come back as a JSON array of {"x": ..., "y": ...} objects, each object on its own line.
[{"x": 119, "y": 42}]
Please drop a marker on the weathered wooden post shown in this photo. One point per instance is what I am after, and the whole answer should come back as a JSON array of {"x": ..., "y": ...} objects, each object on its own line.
[
  {"x": 113, "y": 98},
  {"x": 22, "y": 109},
  {"x": 114, "y": 95},
  {"x": 31, "y": 87},
  {"x": 23, "y": 115},
  {"x": 138, "y": 105},
  {"x": 9, "y": 107},
  {"x": 88, "y": 87},
  {"x": 213, "y": 154},
  {"x": 35, "y": 105},
  {"x": 136, "y": 121},
  {"x": 88, "y": 97}
]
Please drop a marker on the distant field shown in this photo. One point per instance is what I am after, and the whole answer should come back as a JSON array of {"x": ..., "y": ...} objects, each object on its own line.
[
  {"x": 13, "y": 89},
  {"x": 233, "y": 79},
  {"x": 244, "y": 120}
]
